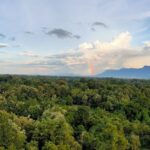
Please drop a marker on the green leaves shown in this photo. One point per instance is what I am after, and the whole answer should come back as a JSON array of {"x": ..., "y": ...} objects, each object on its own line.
[
  {"x": 11, "y": 135},
  {"x": 43, "y": 113}
]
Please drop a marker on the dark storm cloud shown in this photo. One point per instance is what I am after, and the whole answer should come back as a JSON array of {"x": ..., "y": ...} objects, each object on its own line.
[
  {"x": 99, "y": 24},
  {"x": 96, "y": 24},
  {"x": 62, "y": 34}
]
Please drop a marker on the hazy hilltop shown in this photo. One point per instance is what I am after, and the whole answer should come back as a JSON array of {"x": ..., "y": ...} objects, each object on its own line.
[{"x": 140, "y": 73}]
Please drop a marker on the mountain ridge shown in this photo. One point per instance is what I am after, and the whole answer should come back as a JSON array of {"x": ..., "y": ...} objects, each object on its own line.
[{"x": 142, "y": 73}]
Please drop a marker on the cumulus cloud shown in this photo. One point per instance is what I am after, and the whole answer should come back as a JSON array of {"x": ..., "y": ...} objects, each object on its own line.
[
  {"x": 147, "y": 44},
  {"x": 62, "y": 34},
  {"x": 97, "y": 56},
  {"x": 93, "y": 57},
  {"x": 86, "y": 46}
]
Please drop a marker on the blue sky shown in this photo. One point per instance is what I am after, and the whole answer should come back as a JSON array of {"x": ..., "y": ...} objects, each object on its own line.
[{"x": 73, "y": 36}]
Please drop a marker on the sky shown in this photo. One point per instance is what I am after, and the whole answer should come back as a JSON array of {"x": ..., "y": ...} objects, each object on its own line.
[{"x": 73, "y": 37}]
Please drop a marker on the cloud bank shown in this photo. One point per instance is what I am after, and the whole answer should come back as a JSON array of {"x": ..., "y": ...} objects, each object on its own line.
[{"x": 91, "y": 58}]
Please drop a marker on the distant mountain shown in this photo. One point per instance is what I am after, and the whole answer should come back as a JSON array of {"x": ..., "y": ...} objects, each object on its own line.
[{"x": 141, "y": 73}]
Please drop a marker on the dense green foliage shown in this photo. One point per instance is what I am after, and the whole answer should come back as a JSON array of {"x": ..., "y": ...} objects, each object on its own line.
[{"x": 48, "y": 113}]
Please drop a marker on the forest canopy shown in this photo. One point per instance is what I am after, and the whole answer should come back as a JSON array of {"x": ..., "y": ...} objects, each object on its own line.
[{"x": 63, "y": 113}]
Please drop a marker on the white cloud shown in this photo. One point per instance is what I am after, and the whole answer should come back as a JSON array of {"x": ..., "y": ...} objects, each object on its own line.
[
  {"x": 138, "y": 61},
  {"x": 104, "y": 55},
  {"x": 95, "y": 57},
  {"x": 122, "y": 41},
  {"x": 28, "y": 54},
  {"x": 2, "y": 45},
  {"x": 90, "y": 58},
  {"x": 86, "y": 46},
  {"x": 147, "y": 43},
  {"x": 98, "y": 56}
]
